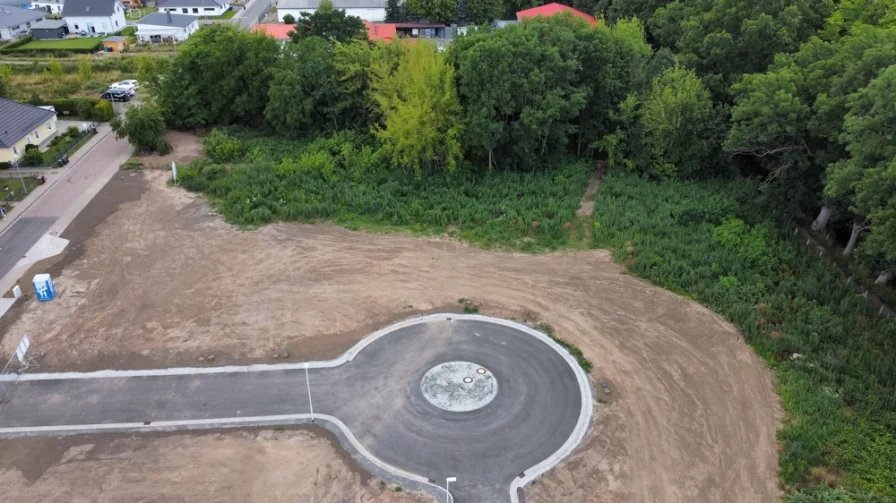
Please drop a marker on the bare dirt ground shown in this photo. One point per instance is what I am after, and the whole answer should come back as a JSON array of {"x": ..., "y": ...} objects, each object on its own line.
[
  {"x": 247, "y": 466},
  {"x": 162, "y": 280}
]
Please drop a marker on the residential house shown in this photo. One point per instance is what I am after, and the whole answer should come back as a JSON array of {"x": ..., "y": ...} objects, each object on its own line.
[
  {"x": 278, "y": 31},
  {"x": 51, "y": 6},
  {"x": 368, "y": 10},
  {"x": 165, "y": 26},
  {"x": 16, "y": 22},
  {"x": 195, "y": 7},
  {"x": 21, "y": 124},
  {"x": 49, "y": 29},
  {"x": 553, "y": 9},
  {"x": 94, "y": 16}
]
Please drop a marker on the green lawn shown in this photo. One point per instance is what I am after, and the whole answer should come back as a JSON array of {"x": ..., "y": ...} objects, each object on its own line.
[
  {"x": 84, "y": 43},
  {"x": 227, "y": 15},
  {"x": 14, "y": 185},
  {"x": 140, "y": 13}
]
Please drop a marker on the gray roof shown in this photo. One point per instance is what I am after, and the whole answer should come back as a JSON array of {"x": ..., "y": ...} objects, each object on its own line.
[
  {"x": 114, "y": 39},
  {"x": 14, "y": 16},
  {"x": 339, "y": 4},
  {"x": 49, "y": 24},
  {"x": 189, "y": 3},
  {"x": 81, "y": 8},
  {"x": 18, "y": 120},
  {"x": 168, "y": 19}
]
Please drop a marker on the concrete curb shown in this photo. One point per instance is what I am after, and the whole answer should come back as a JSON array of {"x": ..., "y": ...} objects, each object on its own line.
[
  {"x": 233, "y": 422},
  {"x": 528, "y": 476}
]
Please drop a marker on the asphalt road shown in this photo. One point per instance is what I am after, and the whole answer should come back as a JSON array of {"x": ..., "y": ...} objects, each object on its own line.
[
  {"x": 377, "y": 395},
  {"x": 18, "y": 239},
  {"x": 249, "y": 17}
]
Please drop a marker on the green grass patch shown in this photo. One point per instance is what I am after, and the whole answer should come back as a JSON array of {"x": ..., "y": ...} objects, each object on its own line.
[
  {"x": 347, "y": 180},
  {"x": 227, "y": 15},
  {"x": 834, "y": 358},
  {"x": 69, "y": 44},
  {"x": 11, "y": 188}
]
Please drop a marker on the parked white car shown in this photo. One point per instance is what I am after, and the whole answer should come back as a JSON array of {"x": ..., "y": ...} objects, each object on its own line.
[{"x": 130, "y": 86}]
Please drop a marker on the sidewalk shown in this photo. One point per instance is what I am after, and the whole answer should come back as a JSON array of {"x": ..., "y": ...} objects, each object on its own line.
[
  {"x": 53, "y": 176},
  {"x": 32, "y": 231}
]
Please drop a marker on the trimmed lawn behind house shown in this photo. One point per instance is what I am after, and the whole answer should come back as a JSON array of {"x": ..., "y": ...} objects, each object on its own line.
[
  {"x": 69, "y": 44},
  {"x": 227, "y": 15}
]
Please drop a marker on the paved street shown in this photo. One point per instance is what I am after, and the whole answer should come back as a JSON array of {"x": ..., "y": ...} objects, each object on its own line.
[
  {"x": 249, "y": 17},
  {"x": 377, "y": 395},
  {"x": 54, "y": 205}
]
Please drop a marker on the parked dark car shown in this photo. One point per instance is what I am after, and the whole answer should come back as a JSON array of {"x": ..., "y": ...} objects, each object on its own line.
[{"x": 116, "y": 95}]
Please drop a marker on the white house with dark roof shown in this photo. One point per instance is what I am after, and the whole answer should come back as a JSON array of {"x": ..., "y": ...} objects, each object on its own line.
[
  {"x": 94, "y": 16},
  {"x": 21, "y": 124},
  {"x": 53, "y": 6},
  {"x": 16, "y": 22},
  {"x": 194, "y": 7},
  {"x": 162, "y": 26},
  {"x": 368, "y": 10}
]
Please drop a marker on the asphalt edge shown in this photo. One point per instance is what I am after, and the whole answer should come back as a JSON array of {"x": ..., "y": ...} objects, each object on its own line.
[{"x": 342, "y": 431}]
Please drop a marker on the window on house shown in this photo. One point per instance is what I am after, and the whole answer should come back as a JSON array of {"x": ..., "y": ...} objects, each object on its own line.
[
  {"x": 37, "y": 134},
  {"x": 76, "y": 27},
  {"x": 16, "y": 27},
  {"x": 15, "y": 150},
  {"x": 186, "y": 10},
  {"x": 49, "y": 125},
  {"x": 29, "y": 138},
  {"x": 116, "y": 22},
  {"x": 28, "y": 24},
  {"x": 195, "y": 10},
  {"x": 209, "y": 8}
]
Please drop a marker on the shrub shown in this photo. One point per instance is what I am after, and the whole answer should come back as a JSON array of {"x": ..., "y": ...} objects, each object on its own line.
[
  {"x": 54, "y": 68},
  {"x": 289, "y": 19},
  {"x": 32, "y": 156},
  {"x": 102, "y": 111},
  {"x": 163, "y": 147},
  {"x": 84, "y": 107},
  {"x": 221, "y": 147},
  {"x": 18, "y": 43}
]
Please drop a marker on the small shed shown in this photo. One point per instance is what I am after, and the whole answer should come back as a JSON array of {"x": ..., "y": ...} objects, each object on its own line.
[
  {"x": 49, "y": 29},
  {"x": 115, "y": 44}
]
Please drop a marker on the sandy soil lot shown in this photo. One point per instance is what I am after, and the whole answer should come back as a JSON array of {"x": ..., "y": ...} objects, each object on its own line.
[
  {"x": 248, "y": 466},
  {"x": 163, "y": 280}
]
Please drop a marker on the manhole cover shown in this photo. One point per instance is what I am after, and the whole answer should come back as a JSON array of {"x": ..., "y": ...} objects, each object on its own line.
[{"x": 459, "y": 386}]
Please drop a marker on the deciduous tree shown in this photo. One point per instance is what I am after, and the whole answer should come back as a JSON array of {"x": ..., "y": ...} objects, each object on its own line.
[
  {"x": 329, "y": 23},
  {"x": 220, "y": 76},
  {"x": 422, "y": 120},
  {"x": 143, "y": 127}
]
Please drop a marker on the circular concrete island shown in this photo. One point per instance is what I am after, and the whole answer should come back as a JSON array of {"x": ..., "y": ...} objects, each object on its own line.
[{"x": 459, "y": 386}]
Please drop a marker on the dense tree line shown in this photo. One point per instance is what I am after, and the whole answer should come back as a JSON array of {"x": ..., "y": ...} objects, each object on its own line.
[{"x": 709, "y": 88}]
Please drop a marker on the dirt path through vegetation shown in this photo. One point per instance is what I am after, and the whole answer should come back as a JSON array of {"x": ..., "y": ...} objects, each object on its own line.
[
  {"x": 586, "y": 207},
  {"x": 163, "y": 280}
]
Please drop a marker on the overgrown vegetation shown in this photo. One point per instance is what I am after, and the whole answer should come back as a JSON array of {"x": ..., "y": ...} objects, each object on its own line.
[
  {"x": 833, "y": 356},
  {"x": 345, "y": 178}
]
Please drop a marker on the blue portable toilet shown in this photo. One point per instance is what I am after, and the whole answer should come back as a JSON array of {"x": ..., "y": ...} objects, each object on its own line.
[{"x": 43, "y": 287}]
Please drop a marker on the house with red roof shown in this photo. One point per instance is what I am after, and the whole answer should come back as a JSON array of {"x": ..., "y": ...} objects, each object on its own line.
[
  {"x": 278, "y": 31},
  {"x": 553, "y": 9}
]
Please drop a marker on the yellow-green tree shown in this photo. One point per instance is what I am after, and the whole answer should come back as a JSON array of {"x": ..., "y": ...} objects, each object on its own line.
[
  {"x": 421, "y": 118},
  {"x": 85, "y": 70}
]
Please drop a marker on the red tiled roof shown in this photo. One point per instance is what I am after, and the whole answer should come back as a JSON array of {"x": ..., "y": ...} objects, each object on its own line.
[
  {"x": 551, "y": 9},
  {"x": 278, "y": 31},
  {"x": 382, "y": 31}
]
